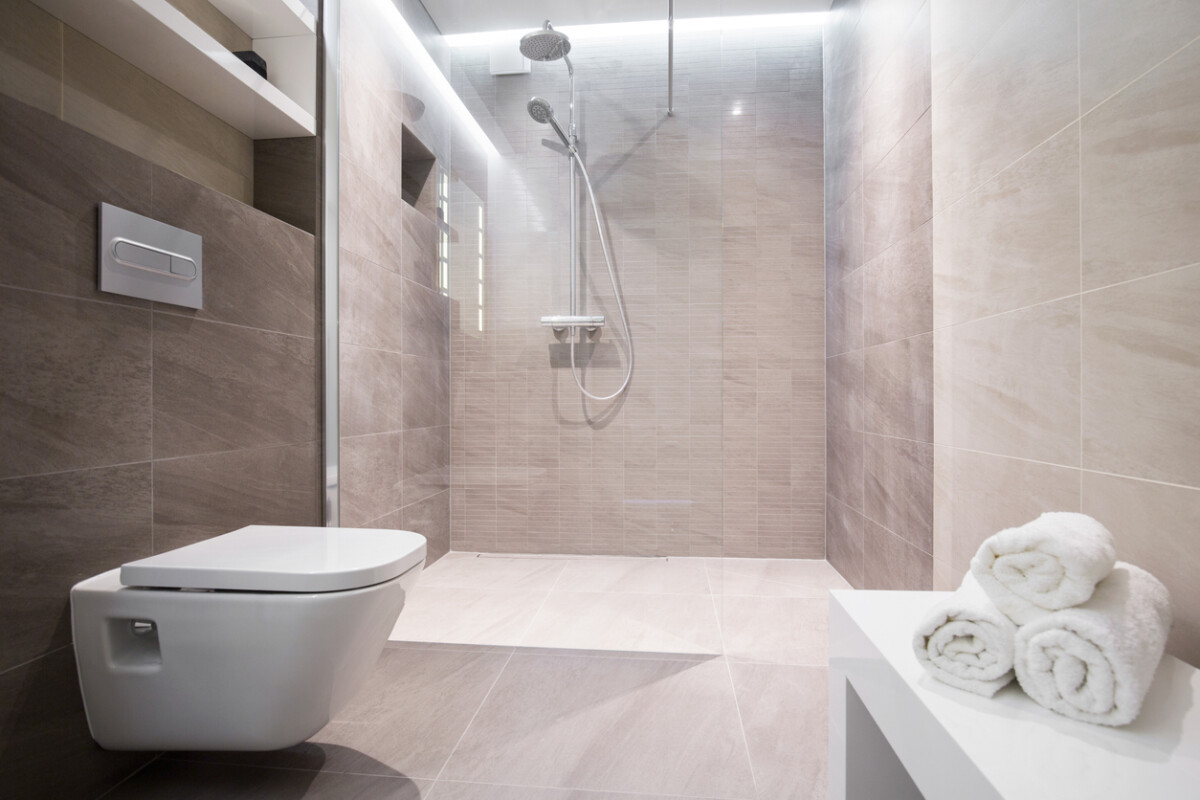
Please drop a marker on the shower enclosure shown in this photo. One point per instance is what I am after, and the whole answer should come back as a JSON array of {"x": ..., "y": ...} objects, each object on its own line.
[{"x": 696, "y": 237}]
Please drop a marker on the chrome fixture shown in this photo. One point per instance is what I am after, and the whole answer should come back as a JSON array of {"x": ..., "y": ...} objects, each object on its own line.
[
  {"x": 670, "y": 58},
  {"x": 548, "y": 44}
]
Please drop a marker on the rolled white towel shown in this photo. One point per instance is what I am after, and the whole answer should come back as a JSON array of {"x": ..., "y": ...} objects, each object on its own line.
[
  {"x": 1053, "y": 562},
  {"x": 966, "y": 642},
  {"x": 1096, "y": 662}
]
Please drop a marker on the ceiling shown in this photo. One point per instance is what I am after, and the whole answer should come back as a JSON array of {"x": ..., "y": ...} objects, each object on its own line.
[{"x": 473, "y": 16}]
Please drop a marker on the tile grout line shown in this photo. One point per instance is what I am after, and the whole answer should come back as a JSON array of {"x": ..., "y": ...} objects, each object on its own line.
[
  {"x": 729, "y": 672},
  {"x": 491, "y": 688}
]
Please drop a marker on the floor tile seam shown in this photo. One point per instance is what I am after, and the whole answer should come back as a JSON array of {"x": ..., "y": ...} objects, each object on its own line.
[
  {"x": 741, "y": 725},
  {"x": 128, "y": 777},
  {"x": 474, "y": 716}
]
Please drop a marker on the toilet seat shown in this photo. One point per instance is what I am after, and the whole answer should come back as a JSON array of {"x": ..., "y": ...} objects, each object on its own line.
[{"x": 261, "y": 558}]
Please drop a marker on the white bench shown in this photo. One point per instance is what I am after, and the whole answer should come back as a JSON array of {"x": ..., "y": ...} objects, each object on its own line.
[{"x": 897, "y": 734}]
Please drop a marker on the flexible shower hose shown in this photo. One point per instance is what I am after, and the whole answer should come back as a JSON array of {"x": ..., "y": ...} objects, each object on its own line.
[{"x": 612, "y": 276}]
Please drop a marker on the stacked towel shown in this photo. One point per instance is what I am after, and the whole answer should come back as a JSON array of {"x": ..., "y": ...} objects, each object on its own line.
[
  {"x": 1049, "y": 564},
  {"x": 1096, "y": 662},
  {"x": 966, "y": 642}
]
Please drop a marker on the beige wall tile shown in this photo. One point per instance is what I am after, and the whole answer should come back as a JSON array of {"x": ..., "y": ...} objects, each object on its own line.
[
  {"x": 898, "y": 289},
  {"x": 1014, "y": 241},
  {"x": 1141, "y": 176},
  {"x": 979, "y": 494},
  {"x": 1010, "y": 384},
  {"x": 959, "y": 29},
  {"x": 897, "y": 194},
  {"x": 1118, "y": 41},
  {"x": 898, "y": 93},
  {"x": 890, "y": 562},
  {"x": 898, "y": 388},
  {"x": 1017, "y": 90},
  {"x": 844, "y": 541},
  {"x": 30, "y": 55},
  {"x": 898, "y": 476},
  {"x": 1141, "y": 386},
  {"x": 1155, "y": 528},
  {"x": 844, "y": 314},
  {"x": 110, "y": 98}
]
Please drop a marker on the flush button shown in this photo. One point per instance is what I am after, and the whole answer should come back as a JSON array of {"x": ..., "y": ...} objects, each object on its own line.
[
  {"x": 183, "y": 267},
  {"x": 137, "y": 256}
]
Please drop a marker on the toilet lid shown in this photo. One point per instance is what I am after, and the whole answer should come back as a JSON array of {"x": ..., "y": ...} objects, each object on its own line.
[{"x": 269, "y": 558}]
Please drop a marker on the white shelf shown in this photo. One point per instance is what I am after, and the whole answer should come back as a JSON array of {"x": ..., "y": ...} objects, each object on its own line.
[
  {"x": 266, "y": 19},
  {"x": 157, "y": 38}
]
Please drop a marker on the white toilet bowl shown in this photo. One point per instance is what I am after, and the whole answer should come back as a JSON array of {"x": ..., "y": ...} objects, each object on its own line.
[{"x": 248, "y": 641}]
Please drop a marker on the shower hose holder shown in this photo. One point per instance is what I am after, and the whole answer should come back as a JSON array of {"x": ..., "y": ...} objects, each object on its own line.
[{"x": 561, "y": 322}]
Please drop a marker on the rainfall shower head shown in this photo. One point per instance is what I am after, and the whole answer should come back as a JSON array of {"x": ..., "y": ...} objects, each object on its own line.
[
  {"x": 541, "y": 112},
  {"x": 546, "y": 44}
]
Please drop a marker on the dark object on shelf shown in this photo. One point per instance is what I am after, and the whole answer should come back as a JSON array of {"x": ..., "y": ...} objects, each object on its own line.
[{"x": 253, "y": 60}]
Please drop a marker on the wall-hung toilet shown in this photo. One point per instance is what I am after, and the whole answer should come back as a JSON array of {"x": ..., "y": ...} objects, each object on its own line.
[{"x": 248, "y": 641}]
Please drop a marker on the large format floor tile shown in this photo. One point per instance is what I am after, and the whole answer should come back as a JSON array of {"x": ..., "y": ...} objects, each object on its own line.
[
  {"x": 493, "y": 572},
  {"x": 775, "y": 630},
  {"x": 785, "y": 715},
  {"x": 458, "y": 790},
  {"x": 658, "y": 623},
  {"x": 768, "y": 577},
  {"x": 636, "y": 575},
  {"x": 611, "y": 724},
  {"x": 467, "y": 616}
]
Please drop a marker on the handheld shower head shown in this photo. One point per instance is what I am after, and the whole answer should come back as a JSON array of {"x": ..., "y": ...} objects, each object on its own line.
[
  {"x": 546, "y": 44},
  {"x": 542, "y": 112}
]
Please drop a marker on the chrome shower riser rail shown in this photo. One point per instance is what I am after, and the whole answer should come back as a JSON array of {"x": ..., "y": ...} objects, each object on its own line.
[{"x": 562, "y": 321}]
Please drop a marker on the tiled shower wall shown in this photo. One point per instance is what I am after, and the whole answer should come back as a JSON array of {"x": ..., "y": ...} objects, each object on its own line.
[
  {"x": 129, "y": 428},
  {"x": 715, "y": 221},
  {"x": 1067, "y": 278},
  {"x": 394, "y": 331},
  {"x": 879, "y": 275}
]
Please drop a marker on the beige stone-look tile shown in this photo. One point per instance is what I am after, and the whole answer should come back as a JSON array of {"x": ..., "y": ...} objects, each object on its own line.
[
  {"x": 784, "y": 712},
  {"x": 1119, "y": 41},
  {"x": 980, "y": 494},
  {"x": 371, "y": 390},
  {"x": 58, "y": 530},
  {"x": 959, "y": 29},
  {"x": 371, "y": 300},
  {"x": 549, "y": 722},
  {"x": 1155, "y": 528},
  {"x": 844, "y": 239},
  {"x": 485, "y": 572},
  {"x": 775, "y": 630},
  {"x": 420, "y": 236},
  {"x": 1141, "y": 378},
  {"x": 898, "y": 289},
  {"x": 76, "y": 392},
  {"x": 1019, "y": 88},
  {"x": 31, "y": 55},
  {"x": 898, "y": 193},
  {"x": 1010, "y": 384},
  {"x": 898, "y": 381},
  {"x": 425, "y": 463},
  {"x": 635, "y": 575},
  {"x": 467, "y": 616},
  {"x": 844, "y": 314},
  {"x": 258, "y": 271},
  {"x": 198, "y": 497},
  {"x": 425, "y": 322},
  {"x": 898, "y": 93},
  {"x": 773, "y": 577},
  {"x": 1141, "y": 173},
  {"x": 370, "y": 477},
  {"x": 112, "y": 99},
  {"x": 224, "y": 387},
  {"x": 844, "y": 541},
  {"x": 1014, "y": 241},
  {"x": 369, "y": 208},
  {"x": 44, "y": 723},
  {"x": 426, "y": 389},
  {"x": 286, "y": 182},
  {"x": 889, "y": 562},
  {"x": 844, "y": 461},
  {"x": 51, "y": 177},
  {"x": 844, "y": 381},
  {"x": 188, "y": 780},
  {"x": 430, "y": 518},
  {"x": 898, "y": 479},
  {"x": 648, "y": 623}
]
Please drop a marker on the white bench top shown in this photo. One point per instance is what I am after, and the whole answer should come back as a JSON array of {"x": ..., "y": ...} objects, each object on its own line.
[{"x": 958, "y": 745}]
